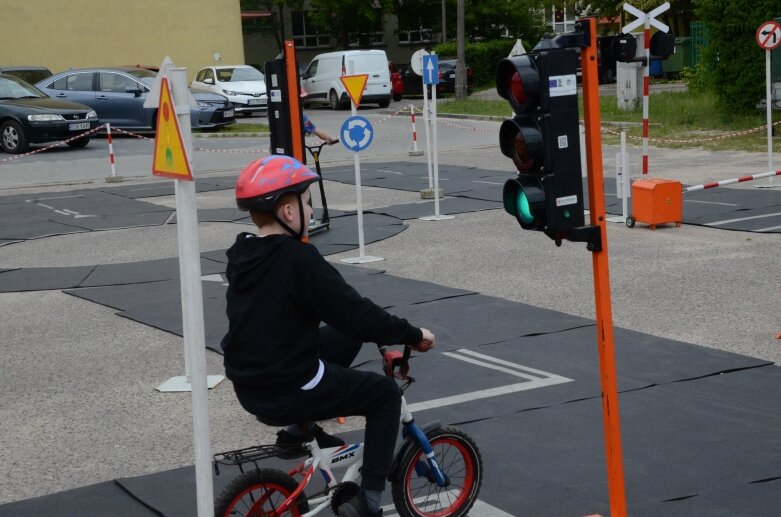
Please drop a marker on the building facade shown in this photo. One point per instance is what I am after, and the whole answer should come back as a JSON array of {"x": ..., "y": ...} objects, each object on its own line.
[{"x": 87, "y": 33}]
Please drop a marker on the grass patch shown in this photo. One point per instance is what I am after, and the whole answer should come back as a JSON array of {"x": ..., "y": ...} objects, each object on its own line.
[{"x": 672, "y": 116}]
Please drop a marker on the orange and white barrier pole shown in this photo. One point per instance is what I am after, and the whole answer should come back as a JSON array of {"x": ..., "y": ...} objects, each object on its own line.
[
  {"x": 113, "y": 178},
  {"x": 733, "y": 180},
  {"x": 414, "y": 151}
]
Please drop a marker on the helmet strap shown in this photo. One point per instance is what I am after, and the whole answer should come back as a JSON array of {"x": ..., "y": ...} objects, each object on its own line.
[{"x": 300, "y": 233}]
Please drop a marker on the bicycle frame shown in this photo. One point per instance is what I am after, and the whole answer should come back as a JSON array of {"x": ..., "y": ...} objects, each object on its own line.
[{"x": 350, "y": 457}]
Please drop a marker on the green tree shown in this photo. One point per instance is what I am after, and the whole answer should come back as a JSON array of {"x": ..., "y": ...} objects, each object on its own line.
[{"x": 733, "y": 61}]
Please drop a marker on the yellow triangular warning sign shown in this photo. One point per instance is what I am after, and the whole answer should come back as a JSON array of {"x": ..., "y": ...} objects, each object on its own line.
[
  {"x": 355, "y": 85},
  {"x": 170, "y": 158}
]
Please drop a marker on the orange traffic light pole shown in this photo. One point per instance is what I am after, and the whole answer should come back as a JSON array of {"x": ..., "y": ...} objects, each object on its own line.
[
  {"x": 293, "y": 92},
  {"x": 607, "y": 364}
]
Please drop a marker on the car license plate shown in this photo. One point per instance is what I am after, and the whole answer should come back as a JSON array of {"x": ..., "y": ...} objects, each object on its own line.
[
  {"x": 80, "y": 125},
  {"x": 255, "y": 102},
  {"x": 228, "y": 113}
]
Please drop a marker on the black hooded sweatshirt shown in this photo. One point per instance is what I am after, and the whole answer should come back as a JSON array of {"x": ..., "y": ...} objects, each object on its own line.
[{"x": 279, "y": 290}]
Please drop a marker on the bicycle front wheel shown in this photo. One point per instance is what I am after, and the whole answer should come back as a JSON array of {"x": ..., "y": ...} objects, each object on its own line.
[
  {"x": 259, "y": 493},
  {"x": 415, "y": 492}
]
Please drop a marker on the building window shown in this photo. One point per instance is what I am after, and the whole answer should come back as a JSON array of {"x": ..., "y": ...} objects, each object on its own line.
[
  {"x": 419, "y": 35},
  {"x": 362, "y": 39},
  {"x": 371, "y": 38},
  {"x": 564, "y": 16},
  {"x": 306, "y": 34}
]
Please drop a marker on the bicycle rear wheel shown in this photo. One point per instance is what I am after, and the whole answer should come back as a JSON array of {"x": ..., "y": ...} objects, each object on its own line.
[
  {"x": 259, "y": 493},
  {"x": 416, "y": 494}
]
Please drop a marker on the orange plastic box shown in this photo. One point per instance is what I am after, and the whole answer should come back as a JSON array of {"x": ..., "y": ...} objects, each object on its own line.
[{"x": 656, "y": 201}]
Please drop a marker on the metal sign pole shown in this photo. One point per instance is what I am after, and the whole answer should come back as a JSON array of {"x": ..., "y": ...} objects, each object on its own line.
[
  {"x": 769, "y": 106},
  {"x": 362, "y": 258},
  {"x": 437, "y": 192}
]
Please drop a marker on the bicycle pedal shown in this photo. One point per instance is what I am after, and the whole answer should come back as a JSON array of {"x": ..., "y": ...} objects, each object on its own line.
[{"x": 342, "y": 493}]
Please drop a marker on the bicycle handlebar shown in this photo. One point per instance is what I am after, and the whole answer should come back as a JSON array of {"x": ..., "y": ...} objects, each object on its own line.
[{"x": 318, "y": 148}]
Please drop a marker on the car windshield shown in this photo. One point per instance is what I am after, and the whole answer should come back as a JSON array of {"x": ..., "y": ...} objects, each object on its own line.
[
  {"x": 232, "y": 75},
  {"x": 13, "y": 88}
]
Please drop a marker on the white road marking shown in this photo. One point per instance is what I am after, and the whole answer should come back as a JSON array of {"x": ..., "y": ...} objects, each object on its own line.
[
  {"x": 488, "y": 182},
  {"x": 708, "y": 202},
  {"x": 536, "y": 379},
  {"x": 727, "y": 221},
  {"x": 480, "y": 509},
  {"x": 392, "y": 172}
]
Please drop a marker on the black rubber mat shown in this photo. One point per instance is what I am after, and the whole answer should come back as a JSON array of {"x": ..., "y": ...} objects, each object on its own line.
[
  {"x": 43, "y": 278},
  {"x": 98, "y": 500}
]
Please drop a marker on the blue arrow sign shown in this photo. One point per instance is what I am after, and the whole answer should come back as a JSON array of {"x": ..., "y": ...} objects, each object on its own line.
[
  {"x": 431, "y": 69},
  {"x": 357, "y": 133}
]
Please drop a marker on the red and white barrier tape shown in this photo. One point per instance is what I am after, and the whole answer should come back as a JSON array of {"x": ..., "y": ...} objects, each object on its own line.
[
  {"x": 56, "y": 144},
  {"x": 694, "y": 140}
]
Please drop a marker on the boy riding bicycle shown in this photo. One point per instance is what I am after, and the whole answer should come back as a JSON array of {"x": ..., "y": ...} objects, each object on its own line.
[{"x": 287, "y": 368}]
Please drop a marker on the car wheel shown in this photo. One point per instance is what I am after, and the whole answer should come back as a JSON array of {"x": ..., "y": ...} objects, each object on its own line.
[
  {"x": 396, "y": 97},
  {"x": 12, "y": 138},
  {"x": 333, "y": 100},
  {"x": 79, "y": 142},
  {"x": 384, "y": 104}
]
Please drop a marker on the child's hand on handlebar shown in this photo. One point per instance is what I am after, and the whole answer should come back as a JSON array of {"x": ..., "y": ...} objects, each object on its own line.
[
  {"x": 332, "y": 141},
  {"x": 427, "y": 343}
]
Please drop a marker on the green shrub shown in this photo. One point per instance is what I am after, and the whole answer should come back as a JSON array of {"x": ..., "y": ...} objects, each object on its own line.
[
  {"x": 734, "y": 62},
  {"x": 482, "y": 57}
]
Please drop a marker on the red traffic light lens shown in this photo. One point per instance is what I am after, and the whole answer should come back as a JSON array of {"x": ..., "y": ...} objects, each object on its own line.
[
  {"x": 520, "y": 140},
  {"x": 518, "y": 81},
  {"x": 517, "y": 91}
]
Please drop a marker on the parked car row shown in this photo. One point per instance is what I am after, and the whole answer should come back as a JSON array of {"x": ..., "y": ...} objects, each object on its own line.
[
  {"x": 69, "y": 103},
  {"x": 413, "y": 83}
]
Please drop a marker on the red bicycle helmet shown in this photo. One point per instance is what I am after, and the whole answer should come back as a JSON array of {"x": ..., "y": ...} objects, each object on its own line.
[{"x": 264, "y": 181}]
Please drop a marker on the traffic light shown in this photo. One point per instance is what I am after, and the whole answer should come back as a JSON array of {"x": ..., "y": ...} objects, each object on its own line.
[{"x": 543, "y": 140}]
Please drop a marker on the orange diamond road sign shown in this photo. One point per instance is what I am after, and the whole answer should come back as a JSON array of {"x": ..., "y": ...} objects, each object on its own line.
[
  {"x": 355, "y": 85},
  {"x": 170, "y": 158}
]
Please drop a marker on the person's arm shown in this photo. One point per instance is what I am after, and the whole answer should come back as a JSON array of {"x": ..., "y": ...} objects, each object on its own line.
[
  {"x": 325, "y": 136},
  {"x": 321, "y": 289}
]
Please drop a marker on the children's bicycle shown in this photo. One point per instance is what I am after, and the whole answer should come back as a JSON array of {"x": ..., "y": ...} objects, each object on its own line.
[{"x": 437, "y": 471}]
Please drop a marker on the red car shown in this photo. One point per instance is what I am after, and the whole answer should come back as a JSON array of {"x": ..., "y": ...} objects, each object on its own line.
[{"x": 397, "y": 83}]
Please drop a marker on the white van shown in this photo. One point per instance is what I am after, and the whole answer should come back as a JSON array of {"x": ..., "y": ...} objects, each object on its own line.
[{"x": 322, "y": 84}]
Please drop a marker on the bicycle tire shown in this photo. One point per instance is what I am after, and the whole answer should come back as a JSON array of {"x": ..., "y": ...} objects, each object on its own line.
[
  {"x": 459, "y": 458},
  {"x": 257, "y": 493}
]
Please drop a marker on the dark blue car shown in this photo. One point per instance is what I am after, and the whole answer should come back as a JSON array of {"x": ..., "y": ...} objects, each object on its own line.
[{"x": 118, "y": 95}]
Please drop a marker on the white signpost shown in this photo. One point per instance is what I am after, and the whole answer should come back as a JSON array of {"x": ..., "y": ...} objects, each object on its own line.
[
  {"x": 416, "y": 63},
  {"x": 357, "y": 134},
  {"x": 173, "y": 149},
  {"x": 431, "y": 78},
  {"x": 768, "y": 38}
]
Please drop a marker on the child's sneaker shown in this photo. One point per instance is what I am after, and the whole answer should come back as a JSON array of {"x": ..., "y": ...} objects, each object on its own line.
[
  {"x": 357, "y": 507},
  {"x": 292, "y": 443}
]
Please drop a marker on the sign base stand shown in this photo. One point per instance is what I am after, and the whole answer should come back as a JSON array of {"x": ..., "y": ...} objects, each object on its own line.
[
  {"x": 413, "y": 152},
  {"x": 361, "y": 260},
  {"x": 437, "y": 217},
  {"x": 114, "y": 179},
  {"x": 180, "y": 384},
  {"x": 428, "y": 193}
]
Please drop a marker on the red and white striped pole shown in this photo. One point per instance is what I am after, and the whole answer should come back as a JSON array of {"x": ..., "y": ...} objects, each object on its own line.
[
  {"x": 113, "y": 178},
  {"x": 733, "y": 180},
  {"x": 646, "y": 76},
  {"x": 414, "y": 151}
]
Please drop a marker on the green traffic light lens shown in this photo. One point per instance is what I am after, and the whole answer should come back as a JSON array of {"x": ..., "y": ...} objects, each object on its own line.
[
  {"x": 566, "y": 214},
  {"x": 524, "y": 209}
]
